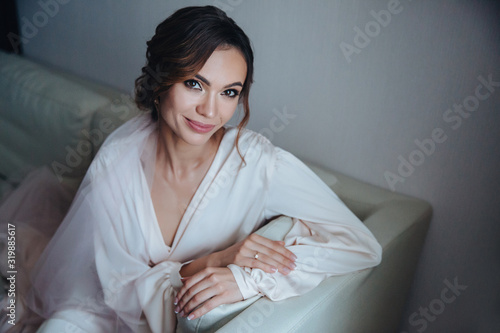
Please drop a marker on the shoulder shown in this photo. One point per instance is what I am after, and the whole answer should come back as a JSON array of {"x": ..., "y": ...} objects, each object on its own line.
[
  {"x": 136, "y": 128},
  {"x": 127, "y": 140},
  {"x": 258, "y": 151},
  {"x": 251, "y": 142}
]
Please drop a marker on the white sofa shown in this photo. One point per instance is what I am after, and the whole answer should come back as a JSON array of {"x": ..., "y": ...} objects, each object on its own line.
[{"x": 53, "y": 118}]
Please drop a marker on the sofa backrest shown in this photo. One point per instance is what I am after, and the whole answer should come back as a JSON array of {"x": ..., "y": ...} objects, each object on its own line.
[{"x": 50, "y": 118}]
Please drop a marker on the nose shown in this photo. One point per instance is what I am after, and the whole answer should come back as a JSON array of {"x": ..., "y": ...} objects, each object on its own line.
[{"x": 207, "y": 106}]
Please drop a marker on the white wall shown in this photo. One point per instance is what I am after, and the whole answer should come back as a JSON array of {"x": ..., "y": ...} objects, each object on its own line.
[{"x": 356, "y": 117}]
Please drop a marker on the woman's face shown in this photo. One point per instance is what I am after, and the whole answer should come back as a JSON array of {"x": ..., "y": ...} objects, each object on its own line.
[{"x": 195, "y": 109}]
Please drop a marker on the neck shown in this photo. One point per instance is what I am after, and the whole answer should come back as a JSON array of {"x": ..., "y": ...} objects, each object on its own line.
[{"x": 178, "y": 159}]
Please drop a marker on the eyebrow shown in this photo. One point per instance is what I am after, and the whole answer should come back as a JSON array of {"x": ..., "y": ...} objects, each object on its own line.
[{"x": 204, "y": 80}]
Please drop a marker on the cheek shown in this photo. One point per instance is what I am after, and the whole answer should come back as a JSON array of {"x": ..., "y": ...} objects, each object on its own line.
[
  {"x": 177, "y": 102},
  {"x": 228, "y": 110}
]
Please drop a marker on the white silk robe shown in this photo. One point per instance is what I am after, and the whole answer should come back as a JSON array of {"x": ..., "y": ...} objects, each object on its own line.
[{"x": 108, "y": 269}]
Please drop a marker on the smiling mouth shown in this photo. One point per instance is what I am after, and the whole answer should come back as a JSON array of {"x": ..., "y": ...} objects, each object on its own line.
[{"x": 199, "y": 127}]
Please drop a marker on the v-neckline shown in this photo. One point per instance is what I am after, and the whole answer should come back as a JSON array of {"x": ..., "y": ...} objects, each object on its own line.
[{"x": 195, "y": 200}]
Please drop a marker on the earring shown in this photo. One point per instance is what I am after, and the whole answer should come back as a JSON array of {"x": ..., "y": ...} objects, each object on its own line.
[{"x": 157, "y": 108}]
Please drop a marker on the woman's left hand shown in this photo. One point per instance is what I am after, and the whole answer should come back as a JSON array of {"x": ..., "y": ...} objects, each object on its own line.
[{"x": 206, "y": 290}]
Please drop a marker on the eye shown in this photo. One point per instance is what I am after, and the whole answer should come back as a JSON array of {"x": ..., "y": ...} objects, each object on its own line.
[
  {"x": 192, "y": 84},
  {"x": 231, "y": 93}
]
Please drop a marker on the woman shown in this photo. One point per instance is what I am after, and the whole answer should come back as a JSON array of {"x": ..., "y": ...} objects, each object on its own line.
[{"x": 164, "y": 220}]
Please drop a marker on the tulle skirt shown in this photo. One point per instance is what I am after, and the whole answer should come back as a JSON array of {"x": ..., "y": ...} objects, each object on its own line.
[{"x": 29, "y": 217}]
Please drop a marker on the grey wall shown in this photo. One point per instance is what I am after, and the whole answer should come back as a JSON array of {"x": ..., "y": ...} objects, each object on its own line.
[{"x": 359, "y": 114}]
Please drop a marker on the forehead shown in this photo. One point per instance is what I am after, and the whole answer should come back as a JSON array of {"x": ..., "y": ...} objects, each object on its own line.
[{"x": 225, "y": 66}]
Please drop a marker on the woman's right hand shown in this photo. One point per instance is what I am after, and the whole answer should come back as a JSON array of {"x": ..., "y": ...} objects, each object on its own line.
[{"x": 256, "y": 251}]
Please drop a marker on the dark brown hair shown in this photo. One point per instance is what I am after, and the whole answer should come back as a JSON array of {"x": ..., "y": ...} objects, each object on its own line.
[{"x": 179, "y": 49}]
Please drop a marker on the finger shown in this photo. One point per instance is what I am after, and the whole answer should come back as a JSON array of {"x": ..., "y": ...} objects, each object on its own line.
[
  {"x": 183, "y": 280},
  {"x": 277, "y": 246},
  {"x": 199, "y": 298},
  {"x": 277, "y": 259},
  {"x": 223, "y": 290},
  {"x": 188, "y": 295},
  {"x": 265, "y": 262},
  {"x": 271, "y": 265},
  {"x": 269, "y": 247},
  {"x": 208, "y": 280},
  {"x": 270, "y": 256},
  {"x": 207, "y": 307},
  {"x": 261, "y": 262},
  {"x": 189, "y": 283}
]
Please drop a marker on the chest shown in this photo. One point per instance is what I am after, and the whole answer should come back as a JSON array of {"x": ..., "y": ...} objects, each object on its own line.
[{"x": 170, "y": 201}]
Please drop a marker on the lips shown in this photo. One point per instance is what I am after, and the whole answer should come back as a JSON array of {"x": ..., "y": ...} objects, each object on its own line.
[{"x": 199, "y": 127}]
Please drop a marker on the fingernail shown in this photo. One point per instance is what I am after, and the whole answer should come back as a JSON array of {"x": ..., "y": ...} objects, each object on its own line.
[
  {"x": 292, "y": 266},
  {"x": 286, "y": 270},
  {"x": 175, "y": 301},
  {"x": 294, "y": 257},
  {"x": 182, "y": 313},
  {"x": 176, "y": 309},
  {"x": 191, "y": 316},
  {"x": 275, "y": 269}
]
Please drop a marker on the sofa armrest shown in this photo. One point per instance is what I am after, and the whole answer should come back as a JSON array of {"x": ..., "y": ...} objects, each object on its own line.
[{"x": 370, "y": 300}]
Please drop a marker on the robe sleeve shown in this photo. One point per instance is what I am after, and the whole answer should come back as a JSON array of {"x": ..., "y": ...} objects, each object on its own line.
[
  {"x": 134, "y": 287},
  {"x": 327, "y": 238},
  {"x": 98, "y": 264}
]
